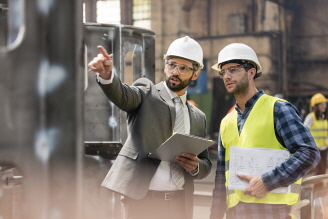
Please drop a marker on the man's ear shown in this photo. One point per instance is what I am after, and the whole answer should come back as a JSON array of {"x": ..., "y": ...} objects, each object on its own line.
[
  {"x": 196, "y": 74},
  {"x": 253, "y": 72}
]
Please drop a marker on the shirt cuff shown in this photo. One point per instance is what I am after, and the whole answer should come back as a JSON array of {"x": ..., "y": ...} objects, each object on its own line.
[
  {"x": 268, "y": 182},
  {"x": 195, "y": 172},
  {"x": 103, "y": 81}
]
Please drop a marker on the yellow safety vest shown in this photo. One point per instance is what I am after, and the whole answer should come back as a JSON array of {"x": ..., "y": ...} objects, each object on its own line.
[
  {"x": 319, "y": 131},
  {"x": 258, "y": 132}
]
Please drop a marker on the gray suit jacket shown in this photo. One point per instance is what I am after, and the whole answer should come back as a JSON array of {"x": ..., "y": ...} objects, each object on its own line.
[{"x": 151, "y": 118}]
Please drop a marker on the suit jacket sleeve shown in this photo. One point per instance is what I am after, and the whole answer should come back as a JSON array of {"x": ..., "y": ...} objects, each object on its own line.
[
  {"x": 126, "y": 97},
  {"x": 205, "y": 164}
]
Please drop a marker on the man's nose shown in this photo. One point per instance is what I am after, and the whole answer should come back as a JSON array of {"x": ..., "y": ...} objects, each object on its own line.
[
  {"x": 226, "y": 75},
  {"x": 176, "y": 70}
]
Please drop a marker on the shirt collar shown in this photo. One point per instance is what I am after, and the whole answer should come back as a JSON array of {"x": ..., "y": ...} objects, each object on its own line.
[
  {"x": 172, "y": 95},
  {"x": 251, "y": 101}
]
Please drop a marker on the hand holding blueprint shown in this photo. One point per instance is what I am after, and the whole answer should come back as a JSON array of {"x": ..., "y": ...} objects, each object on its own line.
[{"x": 254, "y": 161}]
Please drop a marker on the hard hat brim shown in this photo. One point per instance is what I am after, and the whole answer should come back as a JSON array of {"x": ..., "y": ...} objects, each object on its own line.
[{"x": 216, "y": 67}]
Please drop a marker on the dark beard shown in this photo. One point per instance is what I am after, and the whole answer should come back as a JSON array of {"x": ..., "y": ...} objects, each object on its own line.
[{"x": 176, "y": 88}]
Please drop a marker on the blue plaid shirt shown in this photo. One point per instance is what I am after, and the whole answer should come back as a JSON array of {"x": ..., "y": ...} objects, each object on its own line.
[{"x": 293, "y": 135}]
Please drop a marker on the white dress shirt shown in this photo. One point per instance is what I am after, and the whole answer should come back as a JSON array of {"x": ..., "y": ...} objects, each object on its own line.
[{"x": 162, "y": 180}]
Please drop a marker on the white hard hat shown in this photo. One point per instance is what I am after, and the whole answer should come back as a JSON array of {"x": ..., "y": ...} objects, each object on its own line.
[
  {"x": 237, "y": 51},
  {"x": 187, "y": 48}
]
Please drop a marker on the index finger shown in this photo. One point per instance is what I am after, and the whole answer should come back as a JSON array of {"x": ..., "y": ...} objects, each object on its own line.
[
  {"x": 103, "y": 51},
  {"x": 245, "y": 177}
]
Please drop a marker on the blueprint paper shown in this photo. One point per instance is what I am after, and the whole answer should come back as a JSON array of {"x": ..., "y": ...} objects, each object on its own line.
[{"x": 254, "y": 161}]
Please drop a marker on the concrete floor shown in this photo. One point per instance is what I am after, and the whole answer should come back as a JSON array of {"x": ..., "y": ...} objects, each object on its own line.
[{"x": 203, "y": 194}]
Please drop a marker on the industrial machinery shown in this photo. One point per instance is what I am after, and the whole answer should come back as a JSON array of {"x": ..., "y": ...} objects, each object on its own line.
[
  {"x": 315, "y": 189},
  {"x": 59, "y": 134}
]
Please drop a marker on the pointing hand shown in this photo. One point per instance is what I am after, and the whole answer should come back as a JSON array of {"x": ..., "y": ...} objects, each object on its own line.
[{"x": 102, "y": 63}]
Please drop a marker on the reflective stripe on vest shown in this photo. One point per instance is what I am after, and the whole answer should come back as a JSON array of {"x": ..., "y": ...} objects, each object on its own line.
[
  {"x": 319, "y": 131},
  {"x": 258, "y": 132}
]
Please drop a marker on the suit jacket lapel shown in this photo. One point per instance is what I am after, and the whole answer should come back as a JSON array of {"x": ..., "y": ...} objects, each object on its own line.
[{"x": 166, "y": 98}]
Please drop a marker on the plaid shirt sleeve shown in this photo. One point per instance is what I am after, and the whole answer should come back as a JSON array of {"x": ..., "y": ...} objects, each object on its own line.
[
  {"x": 219, "y": 205},
  {"x": 296, "y": 137}
]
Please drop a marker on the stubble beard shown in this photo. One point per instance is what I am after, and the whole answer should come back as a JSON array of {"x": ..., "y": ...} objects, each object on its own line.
[
  {"x": 241, "y": 88},
  {"x": 176, "y": 88}
]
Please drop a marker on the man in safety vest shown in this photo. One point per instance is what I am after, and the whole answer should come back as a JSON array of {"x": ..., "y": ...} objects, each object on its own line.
[
  {"x": 318, "y": 125},
  {"x": 260, "y": 125}
]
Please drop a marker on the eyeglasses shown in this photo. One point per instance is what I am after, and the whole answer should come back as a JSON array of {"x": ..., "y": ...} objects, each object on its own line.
[
  {"x": 182, "y": 69},
  {"x": 231, "y": 70}
]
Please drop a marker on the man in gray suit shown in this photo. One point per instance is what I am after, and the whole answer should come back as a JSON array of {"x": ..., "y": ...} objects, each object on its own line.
[{"x": 147, "y": 185}]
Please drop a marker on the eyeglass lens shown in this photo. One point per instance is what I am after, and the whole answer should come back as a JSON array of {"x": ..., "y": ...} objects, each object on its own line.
[
  {"x": 182, "y": 69},
  {"x": 230, "y": 70}
]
